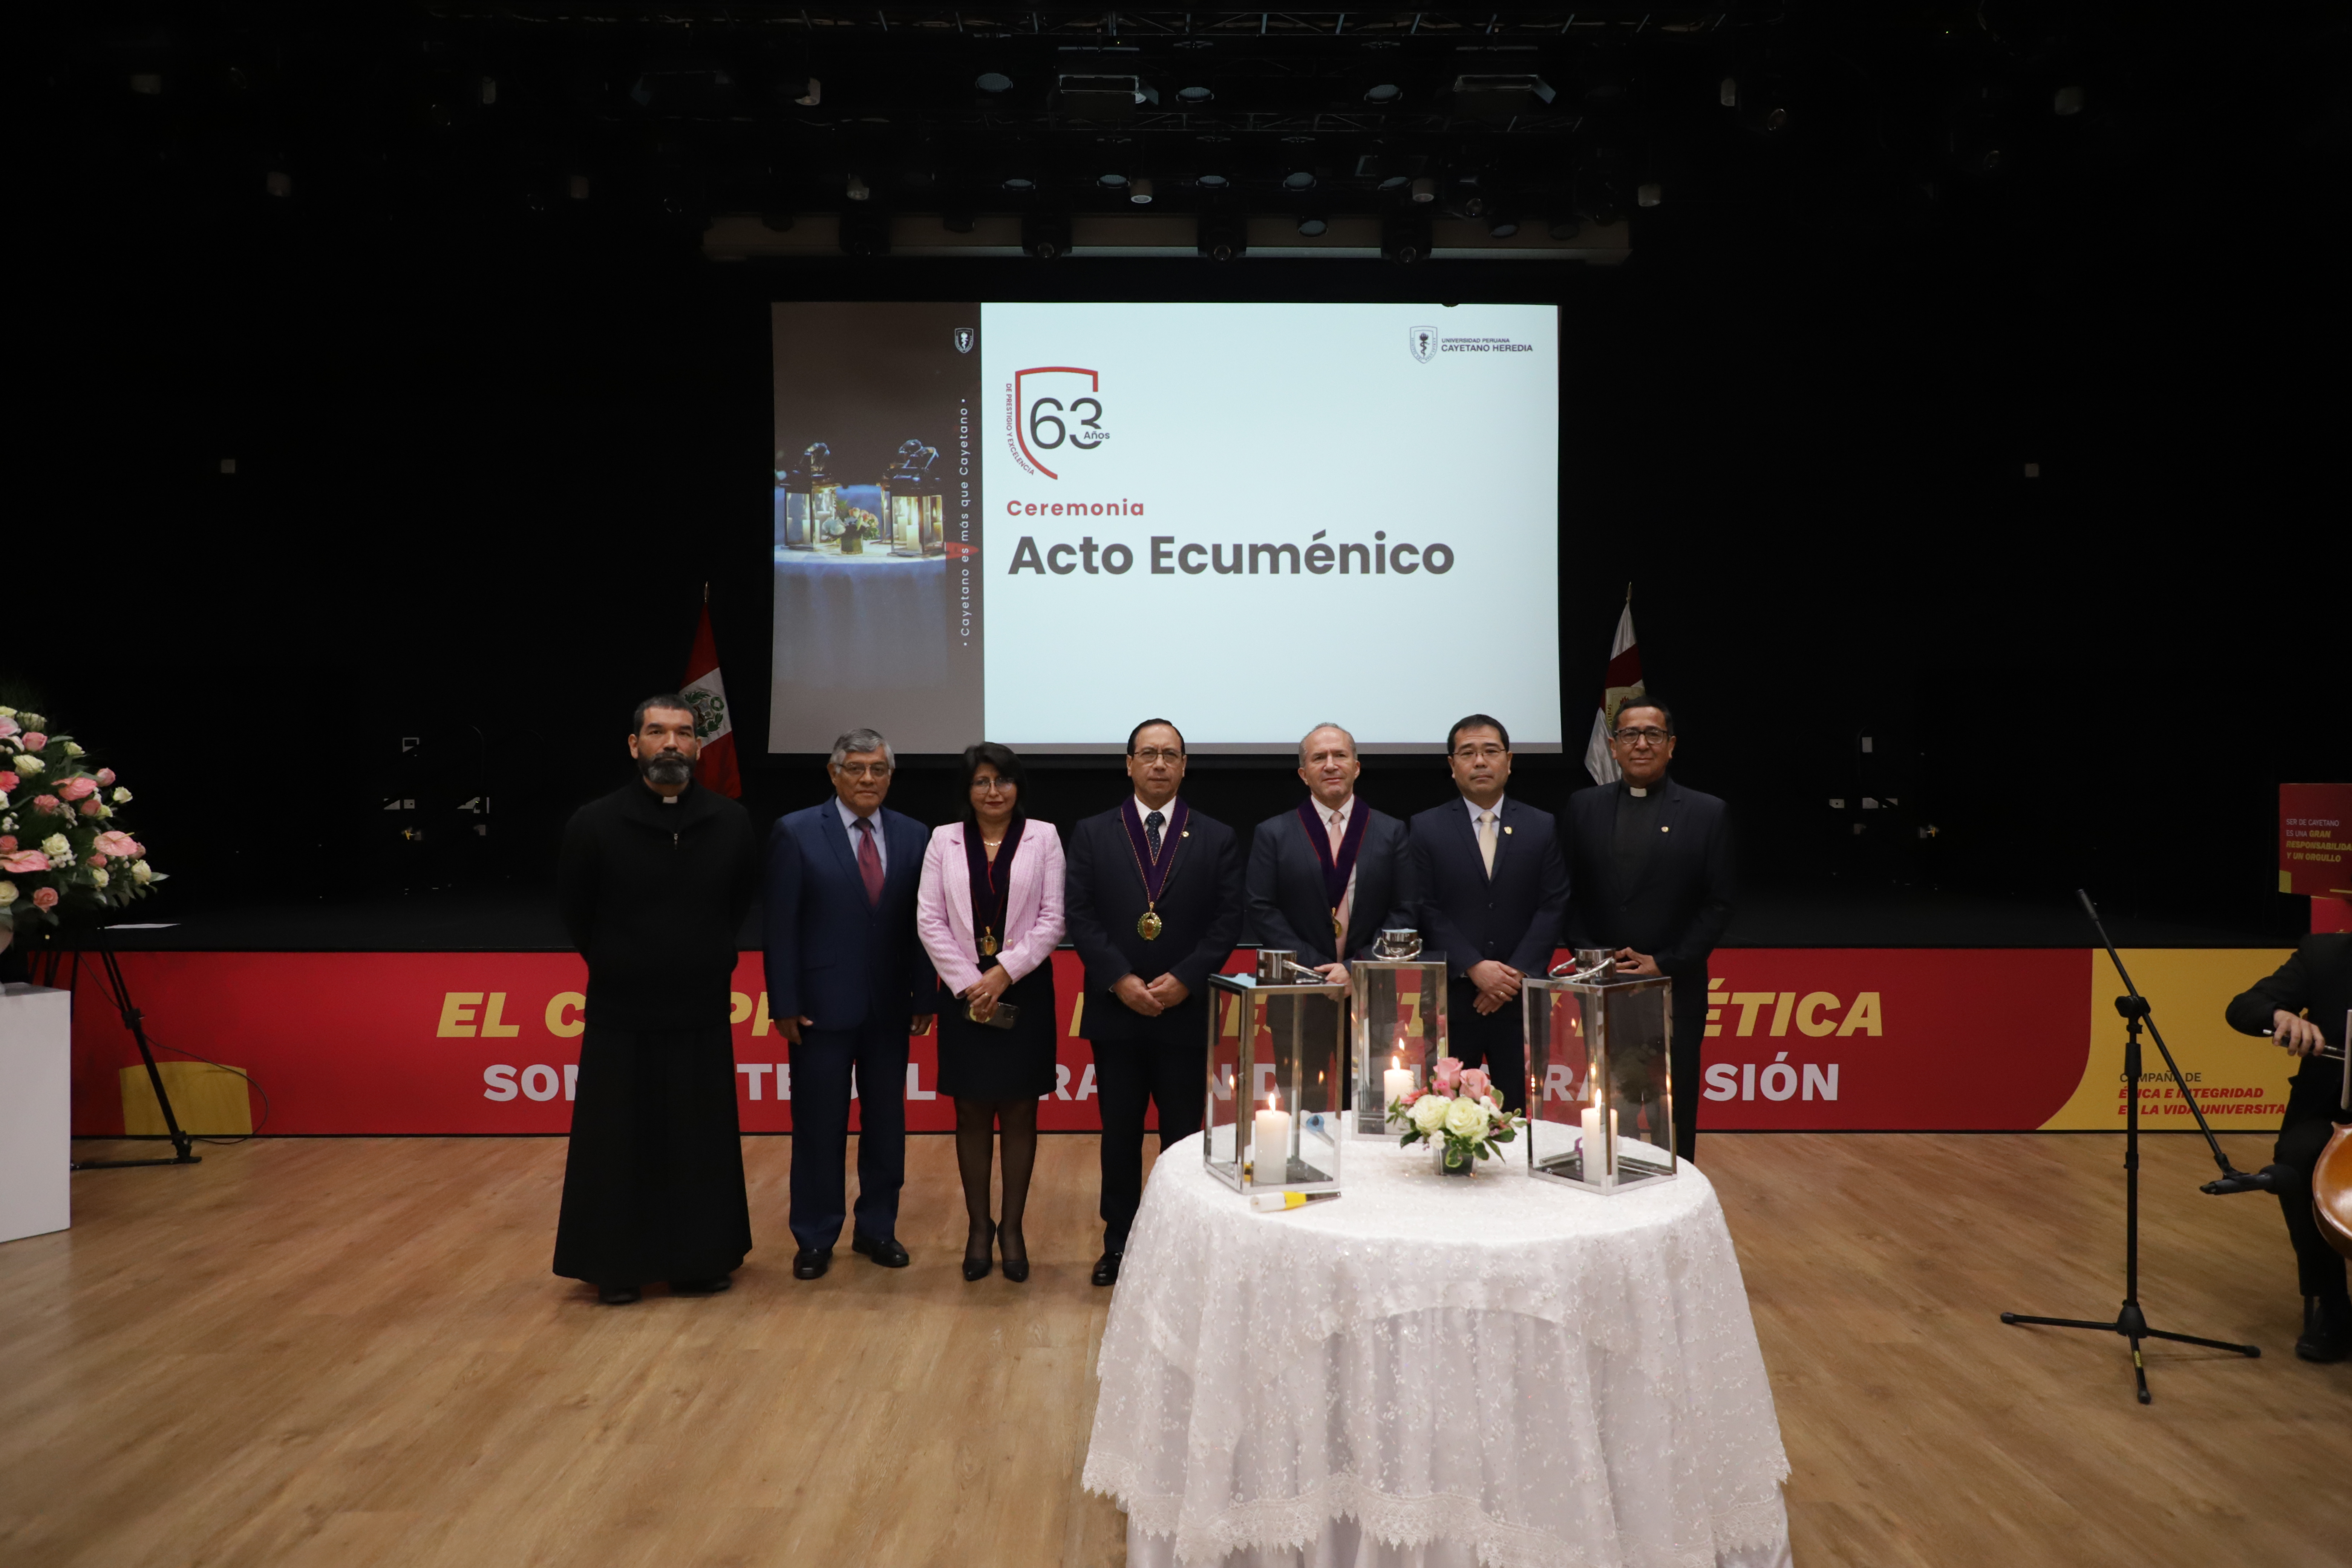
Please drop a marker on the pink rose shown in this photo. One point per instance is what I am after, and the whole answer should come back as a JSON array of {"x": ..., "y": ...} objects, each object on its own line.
[
  {"x": 48, "y": 803},
  {"x": 8, "y": 843},
  {"x": 45, "y": 897},
  {"x": 106, "y": 775},
  {"x": 8, "y": 780},
  {"x": 8, "y": 727},
  {"x": 35, "y": 740},
  {"x": 23, "y": 862},
  {"x": 92, "y": 807},
  {"x": 94, "y": 860},
  {"x": 77, "y": 789},
  {"x": 1445, "y": 1075},
  {"x": 1476, "y": 1082},
  {"x": 119, "y": 845},
  {"x": 1408, "y": 1097}
]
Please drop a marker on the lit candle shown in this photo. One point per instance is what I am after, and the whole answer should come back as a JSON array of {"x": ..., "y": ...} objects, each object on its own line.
[
  {"x": 1594, "y": 1150},
  {"x": 1270, "y": 1144},
  {"x": 1397, "y": 1082}
]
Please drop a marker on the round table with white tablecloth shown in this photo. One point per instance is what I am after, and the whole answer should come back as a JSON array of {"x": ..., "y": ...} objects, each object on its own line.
[{"x": 1436, "y": 1372}]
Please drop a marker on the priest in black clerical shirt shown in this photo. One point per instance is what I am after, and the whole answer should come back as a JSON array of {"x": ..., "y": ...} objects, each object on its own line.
[
  {"x": 653, "y": 879},
  {"x": 1650, "y": 878}
]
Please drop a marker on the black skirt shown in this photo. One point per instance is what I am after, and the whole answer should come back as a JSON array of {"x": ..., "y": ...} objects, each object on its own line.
[
  {"x": 980, "y": 1061},
  {"x": 653, "y": 1185}
]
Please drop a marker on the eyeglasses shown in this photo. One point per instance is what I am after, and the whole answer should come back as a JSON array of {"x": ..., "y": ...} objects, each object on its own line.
[
  {"x": 863, "y": 770},
  {"x": 993, "y": 786},
  {"x": 1645, "y": 737},
  {"x": 1150, "y": 755},
  {"x": 1480, "y": 753}
]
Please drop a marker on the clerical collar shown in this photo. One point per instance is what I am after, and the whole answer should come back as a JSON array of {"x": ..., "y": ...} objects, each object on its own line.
[
  {"x": 673, "y": 799},
  {"x": 1637, "y": 792}
]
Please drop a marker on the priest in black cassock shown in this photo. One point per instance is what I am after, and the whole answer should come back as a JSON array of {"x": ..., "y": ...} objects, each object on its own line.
[{"x": 653, "y": 879}]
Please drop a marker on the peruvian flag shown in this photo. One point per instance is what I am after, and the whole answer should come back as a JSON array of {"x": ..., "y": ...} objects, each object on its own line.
[
  {"x": 713, "y": 725},
  {"x": 1621, "y": 685}
]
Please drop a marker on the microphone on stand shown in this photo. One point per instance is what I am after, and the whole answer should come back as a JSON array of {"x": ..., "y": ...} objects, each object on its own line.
[{"x": 2269, "y": 1179}]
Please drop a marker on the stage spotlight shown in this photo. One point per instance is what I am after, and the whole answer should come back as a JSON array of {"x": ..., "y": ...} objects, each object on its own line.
[
  {"x": 1112, "y": 181},
  {"x": 864, "y": 231},
  {"x": 1195, "y": 96},
  {"x": 1223, "y": 236},
  {"x": 1210, "y": 182},
  {"x": 1020, "y": 186},
  {"x": 1045, "y": 236},
  {"x": 1564, "y": 226},
  {"x": 858, "y": 190},
  {"x": 1502, "y": 228},
  {"x": 1298, "y": 180},
  {"x": 1404, "y": 239},
  {"x": 1314, "y": 227},
  {"x": 993, "y": 82},
  {"x": 1140, "y": 192},
  {"x": 1424, "y": 189},
  {"x": 1383, "y": 93},
  {"x": 1650, "y": 194}
]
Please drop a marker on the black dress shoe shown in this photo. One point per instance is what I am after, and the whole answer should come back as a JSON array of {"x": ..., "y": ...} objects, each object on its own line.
[
  {"x": 2327, "y": 1330},
  {"x": 1106, "y": 1267},
  {"x": 711, "y": 1287},
  {"x": 811, "y": 1262},
  {"x": 885, "y": 1252},
  {"x": 1016, "y": 1269},
  {"x": 976, "y": 1268},
  {"x": 617, "y": 1295}
]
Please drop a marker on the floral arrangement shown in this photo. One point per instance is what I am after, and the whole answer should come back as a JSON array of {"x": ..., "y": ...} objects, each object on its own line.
[
  {"x": 1460, "y": 1107},
  {"x": 59, "y": 849}
]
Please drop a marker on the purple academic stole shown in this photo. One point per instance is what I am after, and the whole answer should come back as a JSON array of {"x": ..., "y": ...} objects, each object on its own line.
[
  {"x": 1336, "y": 872},
  {"x": 1155, "y": 873},
  {"x": 991, "y": 887}
]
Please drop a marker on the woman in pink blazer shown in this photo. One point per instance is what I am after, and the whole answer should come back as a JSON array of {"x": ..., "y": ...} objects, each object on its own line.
[{"x": 990, "y": 914}]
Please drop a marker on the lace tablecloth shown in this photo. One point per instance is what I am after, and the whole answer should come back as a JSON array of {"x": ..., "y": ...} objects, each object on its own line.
[{"x": 1435, "y": 1370}]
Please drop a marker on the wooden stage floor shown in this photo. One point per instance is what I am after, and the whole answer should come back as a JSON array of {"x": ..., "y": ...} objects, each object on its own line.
[{"x": 350, "y": 1353}]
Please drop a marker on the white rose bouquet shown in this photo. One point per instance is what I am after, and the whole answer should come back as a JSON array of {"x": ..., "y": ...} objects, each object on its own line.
[
  {"x": 1460, "y": 1110},
  {"x": 61, "y": 848}
]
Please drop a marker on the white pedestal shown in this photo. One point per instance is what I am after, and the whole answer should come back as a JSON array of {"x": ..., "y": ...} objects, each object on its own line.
[{"x": 36, "y": 1109}]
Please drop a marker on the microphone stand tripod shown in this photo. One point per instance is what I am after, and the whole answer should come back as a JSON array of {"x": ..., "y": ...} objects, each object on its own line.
[
  {"x": 117, "y": 994},
  {"x": 2132, "y": 1322}
]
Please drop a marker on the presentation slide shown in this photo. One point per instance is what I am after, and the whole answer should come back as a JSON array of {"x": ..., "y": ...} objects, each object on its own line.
[{"x": 1039, "y": 523}]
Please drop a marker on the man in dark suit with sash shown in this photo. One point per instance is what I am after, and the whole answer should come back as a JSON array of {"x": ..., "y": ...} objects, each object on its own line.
[
  {"x": 1652, "y": 867},
  {"x": 1154, "y": 890},
  {"x": 1492, "y": 889},
  {"x": 847, "y": 979},
  {"x": 1324, "y": 879}
]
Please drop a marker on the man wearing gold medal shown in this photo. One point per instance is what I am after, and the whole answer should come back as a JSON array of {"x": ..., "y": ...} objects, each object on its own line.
[
  {"x": 1326, "y": 879},
  {"x": 1153, "y": 906}
]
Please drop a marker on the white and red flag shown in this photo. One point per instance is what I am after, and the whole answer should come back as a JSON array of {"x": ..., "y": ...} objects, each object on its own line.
[
  {"x": 713, "y": 725},
  {"x": 1620, "y": 685}
]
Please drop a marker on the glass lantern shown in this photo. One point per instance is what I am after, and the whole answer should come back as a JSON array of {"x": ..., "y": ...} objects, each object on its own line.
[
  {"x": 1600, "y": 1111},
  {"x": 1399, "y": 1017},
  {"x": 1277, "y": 1058}
]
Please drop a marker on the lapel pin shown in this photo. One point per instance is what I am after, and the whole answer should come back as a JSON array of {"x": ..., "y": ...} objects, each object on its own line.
[
  {"x": 1186, "y": 834},
  {"x": 1663, "y": 829},
  {"x": 1507, "y": 828}
]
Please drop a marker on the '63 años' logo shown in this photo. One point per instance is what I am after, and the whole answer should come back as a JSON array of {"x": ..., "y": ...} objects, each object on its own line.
[{"x": 1056, "y": 408}]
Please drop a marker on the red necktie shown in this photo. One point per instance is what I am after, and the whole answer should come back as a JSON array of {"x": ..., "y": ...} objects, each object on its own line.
[{"x": 869, "y": 861}]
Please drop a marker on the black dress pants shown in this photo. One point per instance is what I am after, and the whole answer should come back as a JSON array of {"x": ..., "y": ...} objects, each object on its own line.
[
  {"x": 822, "y": 1064},
  {"x": 1690, "y": 1034},
  {"x": 2303, "y": 1132},
  {"x": 1495, "y": 1041},
  {"x": 1168, "y": 1071}
]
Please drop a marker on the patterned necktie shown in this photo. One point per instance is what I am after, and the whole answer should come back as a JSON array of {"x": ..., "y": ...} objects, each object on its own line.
[
  {"x": 1337, "y": 829},
  {"x": 1151, "y": 826},
  {"x": 1486, "y": 841},
  {"x": 870, "y": 861}
]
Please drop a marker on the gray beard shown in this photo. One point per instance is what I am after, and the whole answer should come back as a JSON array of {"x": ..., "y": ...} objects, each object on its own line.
[{"x": 666, "y": 768}]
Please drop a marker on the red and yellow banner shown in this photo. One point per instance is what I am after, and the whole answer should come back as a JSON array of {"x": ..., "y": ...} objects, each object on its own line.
[{"x": 1799, "y": 1040}]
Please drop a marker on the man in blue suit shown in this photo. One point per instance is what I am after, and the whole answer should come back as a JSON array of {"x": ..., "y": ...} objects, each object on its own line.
[
  {"x": 1494, "y": 888},
  {"x": 846, "y": 980}
]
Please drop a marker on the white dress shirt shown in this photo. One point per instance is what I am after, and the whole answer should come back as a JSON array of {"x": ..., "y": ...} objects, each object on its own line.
[
  {"x": 1167, "y": 820},
  {"x": 1334, "y": 827}
]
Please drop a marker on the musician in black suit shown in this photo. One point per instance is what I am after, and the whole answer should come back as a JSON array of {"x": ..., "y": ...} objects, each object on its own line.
[
  {"x": 1326, "y": 879},
  {"x": 2302, "y": 1007},
  {"x": 1651, "y": 862},
  {"x": 1493, "y": 888},
  {"x": 1154, "y": 890}
]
